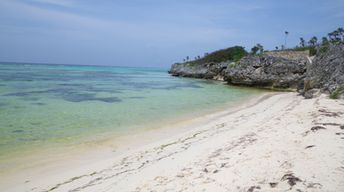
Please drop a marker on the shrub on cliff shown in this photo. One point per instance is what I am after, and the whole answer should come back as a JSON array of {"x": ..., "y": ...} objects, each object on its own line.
[
  {"x": 229, "y": 54},
  {"x": 336, "y": 93}
]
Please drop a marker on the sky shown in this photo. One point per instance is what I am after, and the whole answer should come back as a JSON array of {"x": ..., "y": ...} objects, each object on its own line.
[{"x": 154, "y": 33}]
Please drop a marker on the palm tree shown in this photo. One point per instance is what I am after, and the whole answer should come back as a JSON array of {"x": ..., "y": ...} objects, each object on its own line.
[
  {"x": 285, "y": 39},
  {"x": 313, "y": 41},
  {"x": 254, "y": 50},
  {"x": 302, "y": 42},
  {"x": 341, "y": 33},
  {"x": 261, "y": 48},
  {"x": 335, "y": 36},
  {"x": 257, "y": 48},
  {"x": 324, "y": 41}
]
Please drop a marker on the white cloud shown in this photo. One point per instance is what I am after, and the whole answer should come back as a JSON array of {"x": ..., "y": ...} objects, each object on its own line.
[{"x": 96, "y": 28}]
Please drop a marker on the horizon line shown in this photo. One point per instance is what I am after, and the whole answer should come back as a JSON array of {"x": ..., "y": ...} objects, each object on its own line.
[{"x": 73, "y": 64}]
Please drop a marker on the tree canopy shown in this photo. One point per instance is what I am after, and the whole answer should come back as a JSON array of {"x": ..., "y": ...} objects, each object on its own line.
[{"x": 229, "y": 54}]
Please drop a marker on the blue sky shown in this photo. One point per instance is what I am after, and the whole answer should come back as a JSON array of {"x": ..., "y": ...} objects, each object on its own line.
[{"x": 153, "y": 32}]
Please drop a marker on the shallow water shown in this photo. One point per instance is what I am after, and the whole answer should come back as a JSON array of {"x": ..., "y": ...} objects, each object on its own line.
[{"x": 55, "y": 105}]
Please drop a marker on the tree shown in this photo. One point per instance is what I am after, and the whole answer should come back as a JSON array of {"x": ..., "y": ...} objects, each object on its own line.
[
  {"x": 257, "y": 48},
  {"x": 313, "y": 41},
  {"x": 234, "y": 53},
  {"x": 335, "y": 36},
  {"x": 302, "y": 42},
  {"x": 187, "y": 58},
  {"x": 261, "y": 48},
  {"x": 276, "y": 47},
  {"x": 324, "y": 41},
  {"x": 341, "y": 33},
  {"x": 285, "y": 39},
  {"x": 254, "y": 50}
]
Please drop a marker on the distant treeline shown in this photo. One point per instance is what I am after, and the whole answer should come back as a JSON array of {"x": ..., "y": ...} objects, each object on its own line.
[{"x": 235, "y": 53}]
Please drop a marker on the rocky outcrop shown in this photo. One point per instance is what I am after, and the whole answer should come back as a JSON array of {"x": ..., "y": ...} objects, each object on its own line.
[
  {"x": 273, "y": 70},
  {"x": 281, "y": 70},
  {"x": 326, "y": 72},
  {"x": 206, "y": 71},
  {"x": 267, "y": 71}
]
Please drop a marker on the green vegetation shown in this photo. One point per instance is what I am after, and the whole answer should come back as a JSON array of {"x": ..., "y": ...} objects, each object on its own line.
[
  {"x": 302, "y": 42},
  {"x": 230, "y": 54},
  {"x": 257, "y": 49},
  {"x": 313, "y": 41},
  {"x": 313, "y": 46},
  {"x": 323, "y": 48},
  {"x": 312, "y": 51},
  {"x": 335, "y": 37},
  {"x": 335, "y": 94}
]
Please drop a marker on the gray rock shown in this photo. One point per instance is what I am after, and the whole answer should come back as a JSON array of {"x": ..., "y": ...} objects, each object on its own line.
[
  {"x": 327, "y": 71},
  {"x": 267, "y": 71},
  {"x": 312, "y": 93},
  {"x": 206, "y": 71},
  {"x": 286, "y": 69}
]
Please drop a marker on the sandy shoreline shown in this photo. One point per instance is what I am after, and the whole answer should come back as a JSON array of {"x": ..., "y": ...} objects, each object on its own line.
[{"x": 281, "y": 143}]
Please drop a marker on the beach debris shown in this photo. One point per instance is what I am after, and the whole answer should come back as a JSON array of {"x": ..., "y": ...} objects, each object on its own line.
[
  {"x": 316, "y": 128},
  {"x": 314, "y": 185},
  {"x": 252, "y": 188},
  {"x": 313, "y": 129},
  {"x": 291, "y": 179},
  {"x": 220, "y": 125},
  {"x": 330, "y": 114},
  {"x": 333, "y": 124},
  {"x": 273, "y": 184},
  {"x": 309, "y": 146},
  {"x": 180, "y": 175}
]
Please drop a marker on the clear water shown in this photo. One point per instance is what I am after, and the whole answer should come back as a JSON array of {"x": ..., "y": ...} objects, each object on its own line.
[{"x": 62, "y": 104}]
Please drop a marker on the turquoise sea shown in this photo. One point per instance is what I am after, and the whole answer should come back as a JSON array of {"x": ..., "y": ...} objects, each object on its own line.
[{"x": 56, "y": 105}]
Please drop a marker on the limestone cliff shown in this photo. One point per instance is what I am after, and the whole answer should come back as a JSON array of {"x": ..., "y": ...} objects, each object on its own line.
[
  {"x": 205, "y": 71},
  {"x": 267, "y": 71},
  {"x": 283, "y": 69},
  {"x": 278, "y": 69},
  {"x": 326, "y": 72}
]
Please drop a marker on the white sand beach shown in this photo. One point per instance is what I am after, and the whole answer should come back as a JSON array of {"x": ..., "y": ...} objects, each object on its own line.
[{"x": 279, "y": 142}]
